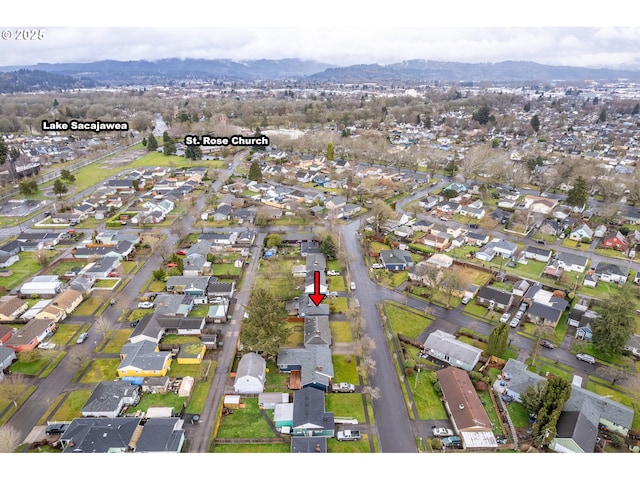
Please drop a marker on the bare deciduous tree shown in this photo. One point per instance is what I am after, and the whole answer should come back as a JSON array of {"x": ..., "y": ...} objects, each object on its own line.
[
  {"x": 12, "y": 388},
  {"x": 9, "y": 439}
]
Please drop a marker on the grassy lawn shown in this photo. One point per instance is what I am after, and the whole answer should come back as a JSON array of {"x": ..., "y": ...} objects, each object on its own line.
[
  {"x": 33, "y": 368},
  {"x": 485, "y": 398},
  {"x": 107, "y": 283},
  {"x": 254, "y": 448},
  {"x": 71, "y": 407},
  {"x": 346, "y": 405},
  {"x": 245, "y": 422},
  {"x": 426, "y": 398},
  {"x": 65, "y": 332},
  {"x": 225, "y": 269},
  {"x": 518, "y": 414},
  {"x": 89, "y": 305},
  {"x": 66, "y": 265},
  {"x": 392, "y": 279},
  {"x": 375, "y": 247},
  {"x": 199, "y": 396},
  {"x": 168, "y": 399},
  {"x": 610, "y": 252},
  {"x": 195, "y": 371},
  {"x": 553, "y": 370},
  {"x": 405, "y": 320},
  {"x": 336, "y": 284},
  {"x": 567, "y": 242},
  {"x": 341, "y": 331},
  {"x": 344, "y": 369},
  {"x": 23, "y": 269},
  {"x": 157, "y": 286},
  {"x": 101, "y": 369},
  {"x": 117, "y": 339},
  {"x": 338, "y": 304},
  {"x": 296, "y": 337},
  {"x": 276, "y": 382}
]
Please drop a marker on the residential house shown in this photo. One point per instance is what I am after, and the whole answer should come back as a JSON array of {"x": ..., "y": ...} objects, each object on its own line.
[
  {"x": 29, "y": 336},
  {"x": 429, "y": 202},
  {"x": 551, "y": 228},
  {"x": 521, "y": 287},
  {"x": 503, "y": 248},
  {"x": 335, "y": 203},
  {"x": 581, "y": 233},
  {"x": 44, "y": 286},
  {"x": 439, "y": 241},
  {"x": 617, "y": 241},
  {"x": 7, "y": 259},
  {"x": 250, "y": 375},
  {"x": 309, "y": 416},
  {"x": 447, "y": 348},
  {"x": 612, "y": 273},
  {"x": 143, "y": 359},
  {"x": 7, "y": 357},
  {"x": 476, "y": 239},
  {"x": 61, "y": 306},
  {"x": 577, "y": 429},
  {"x": 468, "y": 416},
  {"x": 11, "y": 307},
  {"x": 494, "y": 299},
  {"x": 5, "y": 333},
  {"x": 538, "y": 254},
  {"x": 161, "y": 435},
  {"x": 396, "y": 260},
  {"x": 600, "y": 231},
  {"x": 109, "y": 399},
  {"x": 216, "y": 289},
  {"x": 572, "y": 262},
  {"x": 100, "y": 435},
  {"x": 473, "y": 212},
  {"x": 188, "y": 285},
  {"x": 544, "y": 306}
]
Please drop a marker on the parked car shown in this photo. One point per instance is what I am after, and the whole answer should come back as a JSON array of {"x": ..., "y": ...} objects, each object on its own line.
[
  {"x": 56, "y": 428},
  {"x": 181, "y": 252},
  {"x": 519, "y": 314},
  {"x": 453, "y": 441},
  {"x": 172, "y": 265},
  {"x": 441, "y": 432},
  {"x": 353, "y": 285},
  {"x": 523, "y": 307},
  {"x": 134, "y": 324},
  {"x": 333, "y": 273},
  {"x": 47, "y": 346},
  {"x": 586, "y": 358},
  {"x": 506, "y": 398},
  {"x": 504, "y": 318},
  {"x": 473, "y": 225},
  {"x": 332, "y": 294},
  {"x": 113, "y": 275},
  {"x": 145, "y": 305},
  {"x": 466, "y": 300},
  {"x": 515, "y": 322},
  {"x": 377, "y": 265},
  {"x": 546, "y": 344},
  {"x": 82, "y": 337}
]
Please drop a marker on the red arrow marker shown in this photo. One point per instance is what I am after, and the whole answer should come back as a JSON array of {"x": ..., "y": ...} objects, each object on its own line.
[{"x": 316, "y": 297}]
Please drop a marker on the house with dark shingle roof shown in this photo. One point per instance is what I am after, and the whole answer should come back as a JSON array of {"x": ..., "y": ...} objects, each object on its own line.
[
  {"x": 161, "y": 435},
  {"x": 143, "y": 359},
  {"x": 309, "y": 416},
  {"x": 108, "y": 399},
  {"x": 100, "y": 435},
  {"x": 490, "y": 297},
  {"x": 396, "y": 260}
]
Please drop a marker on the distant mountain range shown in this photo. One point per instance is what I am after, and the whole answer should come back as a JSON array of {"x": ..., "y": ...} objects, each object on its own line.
[{"x": 172, "y": 71}]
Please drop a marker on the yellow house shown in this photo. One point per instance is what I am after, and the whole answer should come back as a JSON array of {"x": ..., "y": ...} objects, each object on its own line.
[
  {"x": 11, "y": 308},
  {"x": 143, "y": 359},
  {"x": 191, "y": 353},
  {"x": 61, "y": 306}
]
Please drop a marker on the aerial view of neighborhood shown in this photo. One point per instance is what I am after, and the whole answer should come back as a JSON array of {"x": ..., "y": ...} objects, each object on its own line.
[{"x": 293, "y": 256}]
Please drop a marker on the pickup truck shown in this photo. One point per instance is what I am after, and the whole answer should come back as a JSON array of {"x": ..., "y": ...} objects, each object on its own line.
[
  {"x": 343, "y": 387},
  {"x": 347, "y": 435}
]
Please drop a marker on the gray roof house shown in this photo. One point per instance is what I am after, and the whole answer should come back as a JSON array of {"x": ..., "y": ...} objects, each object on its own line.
[
  {"x": 161, "y": 435},
  {"x": 309, "y": 416},
  {"x": 99, "y": 435},
  {"x": 108, "y": 399},
  {"x": 577, "y": 427},
  {"x": 498, "y": 300},
  {"x": 447, "y": 348},
  {"x": 572, "y": 262}
]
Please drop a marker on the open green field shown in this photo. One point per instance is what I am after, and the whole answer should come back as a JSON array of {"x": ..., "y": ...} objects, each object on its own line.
[
  {"x": 245, "y": 422},
  {"x": 405, "y": 320},
  {"x": 24, "y": 268},
  {"x": 345, "y": 369},
  {"x": 341, "y": 331}
]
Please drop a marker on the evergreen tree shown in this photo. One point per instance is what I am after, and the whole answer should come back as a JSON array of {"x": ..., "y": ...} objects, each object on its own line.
[
  {"x": 194, "y": 152},
  {"x": 255, "y": 174},
  {"x": 4, "y": 151},
  {"x": 67, "y": 176},
  {"x": 330, "y": 151},
  {"x": 59, "y": 188},
  {"x": 616, "y": 320},
  {"x": 498, "y": 340},
  {"x": 169, "y": 146},
  {"x": 636, "y": 109},
  {"x": 579, "y": 194},
  {"x": 152, "y": 143},
  {"x": 482, "y": 115},
  {"x": 264, "y": 329},
  {"x": 535, "y": 123},
  {"x": 328, "y": 247}
]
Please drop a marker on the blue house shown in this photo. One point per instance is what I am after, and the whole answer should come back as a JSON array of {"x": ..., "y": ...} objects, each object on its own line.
[{"x": 396, "y": 260}]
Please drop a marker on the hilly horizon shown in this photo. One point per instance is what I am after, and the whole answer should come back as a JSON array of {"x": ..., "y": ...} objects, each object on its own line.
[{"x": 170, "y": 70}]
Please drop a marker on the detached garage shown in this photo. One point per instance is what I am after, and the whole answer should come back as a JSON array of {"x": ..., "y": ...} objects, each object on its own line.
[{"x": 251, "y": 374}]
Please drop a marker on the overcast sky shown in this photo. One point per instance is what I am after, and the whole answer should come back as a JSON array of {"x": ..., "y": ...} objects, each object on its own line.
[{"x": 332, "y": 31}]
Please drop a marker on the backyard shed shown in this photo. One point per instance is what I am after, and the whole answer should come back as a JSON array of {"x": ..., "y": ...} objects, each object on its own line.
[{"x": 251, "y": 374}]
